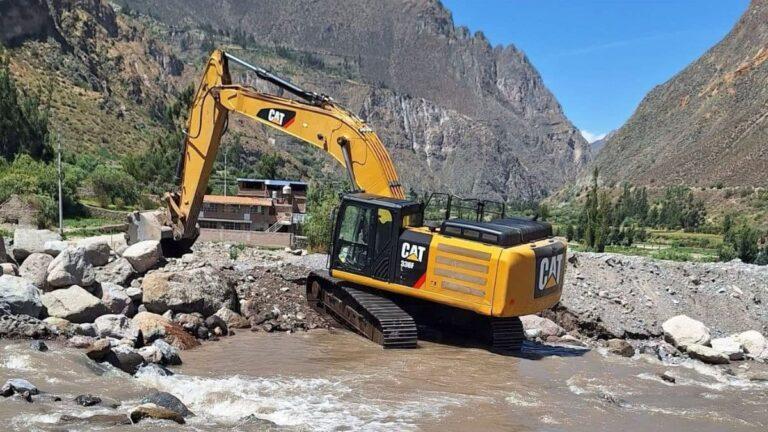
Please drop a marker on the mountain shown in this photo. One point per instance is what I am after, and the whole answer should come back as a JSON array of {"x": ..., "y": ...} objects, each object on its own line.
[
  {"x": 708, "y": 124},
  {"x": 457, "y": 114},
  {"x": 597, "y": 145}
]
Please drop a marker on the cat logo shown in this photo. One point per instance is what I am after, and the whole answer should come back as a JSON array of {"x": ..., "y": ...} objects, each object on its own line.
[
  {"x": 280, "y": 117},
  {"x": 412, "y": 252},
  {"x": 549, "y": 274}
]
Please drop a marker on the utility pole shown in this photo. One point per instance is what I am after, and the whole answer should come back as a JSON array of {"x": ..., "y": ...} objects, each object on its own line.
[
  {"x": 226, "y": 150},
  {"x": 61, "y": 201}
]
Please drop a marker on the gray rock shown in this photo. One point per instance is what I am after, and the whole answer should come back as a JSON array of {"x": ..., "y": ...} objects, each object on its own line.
[
  {"x": 155, "y": 369},
  {"x": 18, "y": 385},
  {"x": 21, "y": 296},
  {"x": 38, "y": 345},
  {"x": 156, "y": 412},
  {"x": 217, "y": 325},
  {"x": 706, "y": 354},
  {"x": 682, "y": 331},
  {"x": 54, "y": 247},
  {"x": 135, "y": 294},
  {"x": 116, "y": 326},
  {"x": 621, "y": 347},
  {"x": 728, "y": 346},
  {"x": 3, "y": 253},
  {"x": 190, "y": 322},
  {"x": 70, "y": 268},
  {"x": 35, "y": 269},
  {"x": 86, "y": 329},
  {"x": 202, "y": 289},
  {"x": 116, "y": 299},
  {"x": 74, "y": 304},
  {"x": 87, "y": 400},
  {"x": 28, "y": 241},
  {"x": 536, "y": 326},
  {"x": 233, "y": 319},
  {"x": 62, "y": 326},
  {"x": 754, "y": 343},
  {"x": 169, "y": 354},
  {"x": 79, "y": 341},
  {"x": 125, "y": 359},
  {"x": 98, "y": 350},
  {"x": 97, "y": 250},
  {"x": 23, "y": 326},
  {"x": 96, "y": 421},
  {"x": 151, "y": 354},
  {"x": 168, "y": 401},
  {"x": 144, "y": 255},
  {"x": 119, "y": 272},
  {"x": 9, "y": 269}
]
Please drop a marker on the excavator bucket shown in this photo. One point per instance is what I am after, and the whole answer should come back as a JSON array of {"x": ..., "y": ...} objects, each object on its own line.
[{"x": 154, "y": 225}]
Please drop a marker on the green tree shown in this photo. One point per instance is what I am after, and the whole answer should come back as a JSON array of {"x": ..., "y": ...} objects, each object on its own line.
[
  {"x": 321, "y": 201},
  {"x": 269, "y": 164},
  {"x": 114, "y": 186}
]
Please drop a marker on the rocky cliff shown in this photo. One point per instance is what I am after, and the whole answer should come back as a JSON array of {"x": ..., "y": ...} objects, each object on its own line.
[
  {"x": 468, "y": 117},
  {"x": 708, "y": 124}
]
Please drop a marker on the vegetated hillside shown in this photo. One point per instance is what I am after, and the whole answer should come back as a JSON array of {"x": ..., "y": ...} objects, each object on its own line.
[
  {"x": 456, "y": 113},
  {"x": 706, "y": 126},
  {"x": 102, "y": 81}
]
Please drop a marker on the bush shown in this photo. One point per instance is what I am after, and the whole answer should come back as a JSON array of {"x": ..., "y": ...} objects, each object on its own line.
[
  {"x": 26, "y": 176},
  {"x": 114, "y": 186},
  {"x": 672, "y": 254},
  {"x": 321, "y": 202},
  {"x": 726, "y": 252}
]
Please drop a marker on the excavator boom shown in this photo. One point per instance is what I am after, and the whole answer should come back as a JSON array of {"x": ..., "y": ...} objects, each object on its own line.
[{"x": 316, "y": 120}]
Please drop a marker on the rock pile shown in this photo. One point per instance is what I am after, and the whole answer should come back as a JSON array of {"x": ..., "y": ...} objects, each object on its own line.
[{"x": 129, "y": 306}]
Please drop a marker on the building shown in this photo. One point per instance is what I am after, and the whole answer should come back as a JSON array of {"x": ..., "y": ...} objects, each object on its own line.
[
  {"x": 260, "y": 205},
  {"x": 20, "y": 211}
]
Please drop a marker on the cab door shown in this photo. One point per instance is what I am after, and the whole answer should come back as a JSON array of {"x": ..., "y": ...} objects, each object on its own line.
[{"x": 352, "y": 247}]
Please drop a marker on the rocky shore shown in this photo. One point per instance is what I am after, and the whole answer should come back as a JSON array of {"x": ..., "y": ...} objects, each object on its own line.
[
  {"x": 137, "y": 311},
  {"x": 132, "y": 308}
]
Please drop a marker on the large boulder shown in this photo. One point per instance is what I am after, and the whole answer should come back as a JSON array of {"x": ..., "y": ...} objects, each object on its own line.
[
  {"x": 233, "y": 319},
  {"x": 28, "y": 241},
  {"x": 154, "y": 326},
  {"x": 116, "y": 299},
  {"x": 202, "y": 289},
  {"x": 119, "y": 272},
  {"x": 70, "y": 268},
  {"x": 9, "y": 269},
  {"x": 156, "y": 412},
  {"x": 728, "y": 346},
  {"x": 682, "y": 331},
  {"x": 35, "y": 269},
  {"x": 169, "y": 401},
  {"x": 144, "y": 255},
  {"x": 54, "y": 247},
  {"x": 74, "y": 304},
  {"x": 124, "y": 358},
  {"x": 116, "y": 326},
  {"x": 23, "y": 326},
  {"x": 706, "y": 354},
  {"x": 21, "y": 296},
  {"x": 754, "y": 343},
  {"x": 18, "y": 385},
  {"x": 536, "y": 326},
  {"x": 97, "y": 250}
]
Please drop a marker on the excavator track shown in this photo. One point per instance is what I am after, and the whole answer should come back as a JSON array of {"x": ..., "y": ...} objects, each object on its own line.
[
  {"x": 506, "y": 335},
  {"x": 375, "y": 317}
]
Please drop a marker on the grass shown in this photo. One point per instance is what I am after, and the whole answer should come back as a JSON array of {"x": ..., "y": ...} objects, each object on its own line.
[{"x": 87, "y": 222}]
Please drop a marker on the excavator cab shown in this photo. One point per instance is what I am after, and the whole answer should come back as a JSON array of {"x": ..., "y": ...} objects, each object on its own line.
[{"x": 366, "y": 232}]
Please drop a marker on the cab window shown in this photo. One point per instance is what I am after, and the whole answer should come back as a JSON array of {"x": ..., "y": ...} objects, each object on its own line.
[{"x": 352, "y": 250}]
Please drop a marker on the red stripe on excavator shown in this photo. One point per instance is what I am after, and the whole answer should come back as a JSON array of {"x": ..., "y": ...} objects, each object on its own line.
[
  {"x": 289, "y": 122},
  {"x": 420, "y": 282}
]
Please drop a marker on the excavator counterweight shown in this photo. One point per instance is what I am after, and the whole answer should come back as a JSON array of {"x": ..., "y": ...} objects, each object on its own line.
[{"x": 388, "y": 272}]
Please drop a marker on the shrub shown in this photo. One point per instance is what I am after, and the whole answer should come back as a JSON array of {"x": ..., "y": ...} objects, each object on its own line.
[
  {"x": 321, "y": 202},
  {"x": 726, "y": 252},
  {"x": 114, "y": 186}
]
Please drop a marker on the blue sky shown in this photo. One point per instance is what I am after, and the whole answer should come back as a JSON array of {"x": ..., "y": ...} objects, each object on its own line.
[{"x": 600, "y": 57}]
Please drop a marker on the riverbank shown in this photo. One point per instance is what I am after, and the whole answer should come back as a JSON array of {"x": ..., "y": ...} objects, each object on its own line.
[{"x": 137, "y": 317}]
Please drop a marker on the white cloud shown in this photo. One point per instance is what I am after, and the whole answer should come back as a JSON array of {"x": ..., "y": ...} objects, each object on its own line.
[{"x": 592, "y": 137}]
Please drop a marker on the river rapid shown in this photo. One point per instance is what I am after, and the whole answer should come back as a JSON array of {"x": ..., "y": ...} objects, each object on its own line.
[{"x": 336, "y": 381}]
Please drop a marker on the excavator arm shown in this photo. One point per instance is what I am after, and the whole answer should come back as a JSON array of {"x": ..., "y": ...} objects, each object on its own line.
[{"x": 316, "y": 120}]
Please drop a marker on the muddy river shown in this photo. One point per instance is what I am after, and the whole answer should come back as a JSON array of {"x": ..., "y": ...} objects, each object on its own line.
[{"x": 336, "y": 381}]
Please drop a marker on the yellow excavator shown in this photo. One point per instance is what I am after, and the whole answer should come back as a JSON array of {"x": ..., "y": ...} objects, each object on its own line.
[{"x": 390, "y": 273}]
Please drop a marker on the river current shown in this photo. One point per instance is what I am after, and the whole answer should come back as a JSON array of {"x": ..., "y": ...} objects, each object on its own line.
[{"x": 337, "y": 381}]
